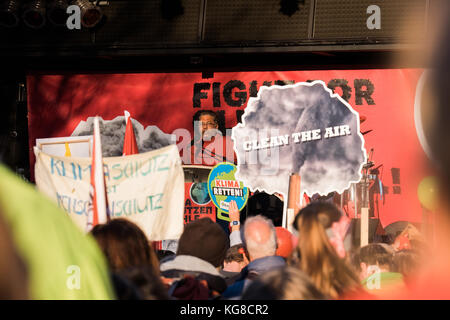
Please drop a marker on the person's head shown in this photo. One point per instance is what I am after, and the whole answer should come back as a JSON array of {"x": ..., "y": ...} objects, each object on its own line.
[
  {"x": 148, "y": 285},
  {"x": 373, "y": 258},
  {"x": 316, "y": 255},
  {"x": 236, "y": 258},
  {"x": 401, "y": 242},
  {"x": 125, "y": 245},
  {"x": 282, "y": 284},
  {"x": 411, "y": 239},
  {"x": 259, "y": 237},
  {"x": 204, "y": 239},
  {"x": 205, "y": 120},
  {"x": 407, "y": 262},
  {"x": 267, "y": 205},
  {"x": 123, "y": 288},
  {"x": 317, "y": 223},
  {"x": 412, "y": 233}
]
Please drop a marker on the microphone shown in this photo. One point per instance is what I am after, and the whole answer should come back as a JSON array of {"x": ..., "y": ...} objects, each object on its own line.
[{"x": 369, "y": 165}]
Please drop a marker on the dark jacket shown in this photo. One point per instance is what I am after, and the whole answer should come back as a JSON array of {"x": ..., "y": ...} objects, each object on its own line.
[
  {"x": 250, "y": 272},
  {"x": 188, "y": 272},
  {"x": 229, "y": 276}
]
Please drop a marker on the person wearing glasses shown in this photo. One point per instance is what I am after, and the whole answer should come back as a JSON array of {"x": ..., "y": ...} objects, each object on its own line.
[{"x": 209, "y": 145}]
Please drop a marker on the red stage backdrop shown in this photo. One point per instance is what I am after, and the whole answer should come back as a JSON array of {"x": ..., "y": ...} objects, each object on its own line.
[{"x": 57, "y": 103}]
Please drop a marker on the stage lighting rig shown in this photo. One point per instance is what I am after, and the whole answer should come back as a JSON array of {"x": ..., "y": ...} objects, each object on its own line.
[
  {"x": 289, "y": 7},
  {"x": 57, "y": 12},
  {"x": 34, "y": 14},
  {"x": 9, "y": 13},
  {"x": 91, "y": 14},
  {"x": 171, "y": 9}
]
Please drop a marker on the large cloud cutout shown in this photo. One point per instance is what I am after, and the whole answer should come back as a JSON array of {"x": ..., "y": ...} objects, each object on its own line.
[
  {"x": 112, "y": 134},
  {"x": 325, "y": 165}
]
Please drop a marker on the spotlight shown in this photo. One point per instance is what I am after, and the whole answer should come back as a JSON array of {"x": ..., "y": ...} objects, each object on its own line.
[
  {"x": 57, "y": 14},
  {"x": 170, "y": 9},
  {"x": 289, "y": 7},
  {"x": 34, "y": 14},
  {"x": 90, "y": 14},
  {"x": 9, "y": 13}
]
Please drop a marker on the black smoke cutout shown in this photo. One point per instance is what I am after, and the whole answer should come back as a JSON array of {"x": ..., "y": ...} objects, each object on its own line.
[
  {"x": 325, "y": 165},
  {"x": 112, "y": 133}
]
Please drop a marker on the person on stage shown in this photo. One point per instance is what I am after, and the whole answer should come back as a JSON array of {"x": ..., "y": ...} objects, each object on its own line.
[{"x": 209, "y": 145}]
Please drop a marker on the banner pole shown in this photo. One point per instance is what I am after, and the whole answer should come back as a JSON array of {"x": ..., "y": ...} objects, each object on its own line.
[
  {"x": 365, "y": 211},
  {"x": 364, "y": 226},
  {"x": 285, "y": 213},
  {"x": 293, "y": 200}
]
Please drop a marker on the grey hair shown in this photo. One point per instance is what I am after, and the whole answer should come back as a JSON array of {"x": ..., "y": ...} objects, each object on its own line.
[{"x": 256, "y": 249}]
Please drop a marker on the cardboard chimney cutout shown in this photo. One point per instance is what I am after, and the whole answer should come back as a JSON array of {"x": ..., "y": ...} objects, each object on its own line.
[{"x": 305, "y": 129}]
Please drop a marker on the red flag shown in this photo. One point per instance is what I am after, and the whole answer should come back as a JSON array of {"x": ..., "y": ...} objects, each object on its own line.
[
  {"x": 130, "y": 147},
  {"x": 98, "y": 205},
  {"x": 129, "y": 143}
]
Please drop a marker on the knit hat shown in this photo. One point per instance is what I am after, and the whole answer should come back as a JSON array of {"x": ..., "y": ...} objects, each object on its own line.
[{"x": 204, "y": 239}]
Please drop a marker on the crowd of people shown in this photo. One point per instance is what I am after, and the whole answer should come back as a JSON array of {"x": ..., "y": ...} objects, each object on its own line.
[
  {"x": 44, "y": 256},
  {"x": 319, "y": 260},
  {"x": 206, "y": 267},
  {"x": 252, "y": 261}
]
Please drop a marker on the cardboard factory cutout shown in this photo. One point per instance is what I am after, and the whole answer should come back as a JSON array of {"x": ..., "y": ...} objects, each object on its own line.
[{"x": 303, "y": 128}]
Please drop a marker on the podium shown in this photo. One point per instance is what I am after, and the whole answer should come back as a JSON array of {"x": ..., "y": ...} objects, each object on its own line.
[{"x": 196, "y": 173}]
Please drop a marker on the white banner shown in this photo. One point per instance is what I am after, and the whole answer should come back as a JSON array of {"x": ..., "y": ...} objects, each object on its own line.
[{"x": 146, "y": 188}]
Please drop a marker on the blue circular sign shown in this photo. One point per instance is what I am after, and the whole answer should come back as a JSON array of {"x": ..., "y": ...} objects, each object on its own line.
[{"x": 223, "y": 187}]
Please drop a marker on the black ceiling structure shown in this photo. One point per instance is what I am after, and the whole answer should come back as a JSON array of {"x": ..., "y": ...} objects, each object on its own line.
[
  {"x": 200, "y": 36},
  {"x": 166, "y": 35}
]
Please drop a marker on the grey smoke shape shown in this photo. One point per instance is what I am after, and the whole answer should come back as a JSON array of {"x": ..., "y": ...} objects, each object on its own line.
[
  {"x": 324, "y": 165},
  {"x": 113, "y": 132}
]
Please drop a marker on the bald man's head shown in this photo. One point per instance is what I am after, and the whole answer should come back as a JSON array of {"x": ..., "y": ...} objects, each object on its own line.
[{"x": 259, "y": 236}]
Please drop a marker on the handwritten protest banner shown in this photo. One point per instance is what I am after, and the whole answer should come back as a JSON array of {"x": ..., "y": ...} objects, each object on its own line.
[{"x": 146, "y": 188}]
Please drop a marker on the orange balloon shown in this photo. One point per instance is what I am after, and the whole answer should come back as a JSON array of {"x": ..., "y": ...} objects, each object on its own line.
[{"x": 284, "y": 241}]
